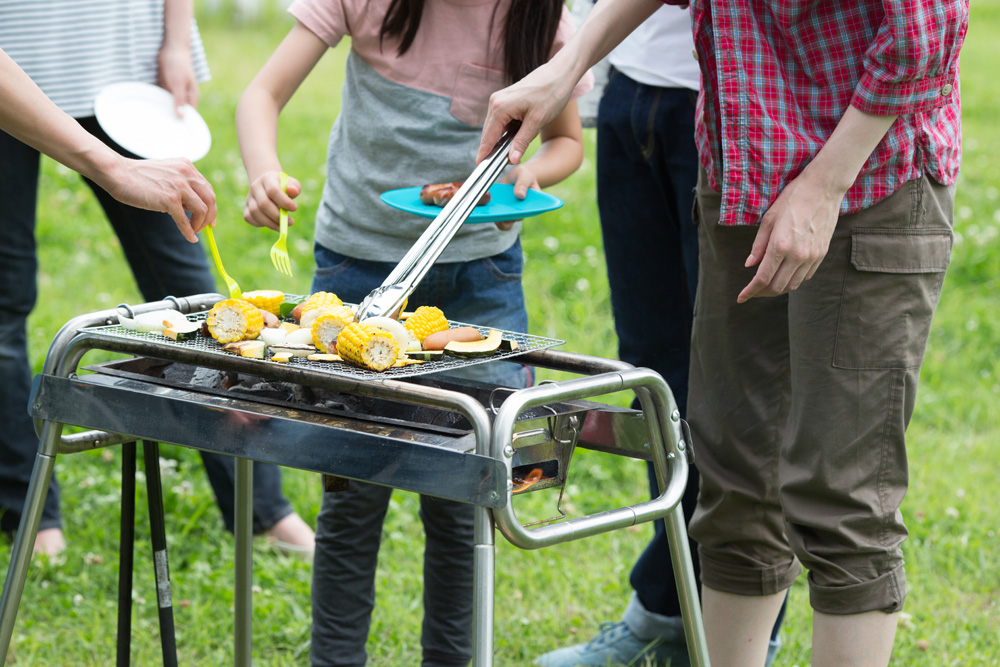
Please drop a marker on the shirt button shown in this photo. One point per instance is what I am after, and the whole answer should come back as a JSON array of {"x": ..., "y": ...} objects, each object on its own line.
[
  {"x": 694, "y": 53},
  {"x": 946, "y": 89}
]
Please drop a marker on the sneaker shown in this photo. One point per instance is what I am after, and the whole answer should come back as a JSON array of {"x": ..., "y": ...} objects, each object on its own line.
[{"x": 617, "y": 646}]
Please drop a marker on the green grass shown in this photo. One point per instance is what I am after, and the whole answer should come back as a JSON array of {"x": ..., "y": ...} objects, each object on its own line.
[{"x": 547, "y": 597}]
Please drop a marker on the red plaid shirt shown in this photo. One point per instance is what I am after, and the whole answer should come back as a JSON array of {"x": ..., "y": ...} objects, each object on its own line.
[{"x": 777, "y": 75}]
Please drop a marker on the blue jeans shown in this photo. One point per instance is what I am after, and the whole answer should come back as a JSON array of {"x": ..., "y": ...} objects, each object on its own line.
[
  {"x": 647, "y": 170},
  {"x": 162, "y": 262},
  {"x": 349, "y": 527}
]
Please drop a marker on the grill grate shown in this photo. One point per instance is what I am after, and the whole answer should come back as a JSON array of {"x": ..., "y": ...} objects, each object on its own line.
[{"x": 206, "y": 345}]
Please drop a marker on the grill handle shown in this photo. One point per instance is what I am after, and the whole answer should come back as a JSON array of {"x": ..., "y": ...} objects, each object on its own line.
[
  {"x": 389, "y": 298},
  {"x": 667, "y": 447}
]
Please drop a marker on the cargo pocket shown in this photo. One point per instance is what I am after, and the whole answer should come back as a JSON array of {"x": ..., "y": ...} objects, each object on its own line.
[
  {"x": 471, "y": 96},
  {"x": 890, "y": 293}
]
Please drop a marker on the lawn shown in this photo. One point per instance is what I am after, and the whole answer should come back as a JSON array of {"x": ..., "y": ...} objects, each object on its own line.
[{"x": 547, "y": 597}]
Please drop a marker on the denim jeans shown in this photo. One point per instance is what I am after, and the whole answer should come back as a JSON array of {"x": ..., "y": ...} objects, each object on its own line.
[
  {"x": 162, "y": 262},
  {"x": 349, "y": 527},
  {"x": 647, "y": 170}
]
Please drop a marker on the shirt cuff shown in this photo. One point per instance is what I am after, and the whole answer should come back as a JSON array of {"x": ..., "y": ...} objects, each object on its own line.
[{"x": 896, "y": 99}]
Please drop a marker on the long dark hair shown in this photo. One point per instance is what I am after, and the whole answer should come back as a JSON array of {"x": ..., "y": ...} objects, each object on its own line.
[{"x": 528, "y": 34}]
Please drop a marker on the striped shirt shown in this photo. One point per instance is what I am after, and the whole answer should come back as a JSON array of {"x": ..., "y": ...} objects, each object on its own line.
[
  {"x": 74, "y": 48},
  {"x": 777, "y": 76}
]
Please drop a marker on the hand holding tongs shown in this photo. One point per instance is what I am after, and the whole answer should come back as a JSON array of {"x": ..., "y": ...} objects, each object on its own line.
[{"x": 388, "y": 299}]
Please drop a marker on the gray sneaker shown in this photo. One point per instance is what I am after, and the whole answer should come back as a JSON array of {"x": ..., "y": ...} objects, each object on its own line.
[{"x": 617, "y": 646}]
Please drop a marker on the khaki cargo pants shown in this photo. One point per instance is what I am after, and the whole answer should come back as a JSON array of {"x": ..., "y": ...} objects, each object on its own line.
[{"x": 799, "y": 403}]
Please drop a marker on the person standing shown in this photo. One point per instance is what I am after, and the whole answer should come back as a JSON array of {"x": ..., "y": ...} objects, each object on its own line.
[
  {"x": 830, "y": 140},
  {"x": 647, "y": 169},
  {"x": 71, "y": 49}
]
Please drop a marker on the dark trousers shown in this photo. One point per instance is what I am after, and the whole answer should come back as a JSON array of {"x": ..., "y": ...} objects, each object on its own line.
[
  {"x": 647, "y": 170},
  {"x": 163, "y": 263}
]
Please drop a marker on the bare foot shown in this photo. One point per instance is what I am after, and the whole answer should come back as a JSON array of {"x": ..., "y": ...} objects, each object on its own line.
[
  {"x": 293, "y": 535},
  {"x": 50, "y": 542}
]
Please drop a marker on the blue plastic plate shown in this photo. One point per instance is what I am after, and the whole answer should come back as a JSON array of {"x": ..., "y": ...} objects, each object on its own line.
[{"x": 503, "y": 204}]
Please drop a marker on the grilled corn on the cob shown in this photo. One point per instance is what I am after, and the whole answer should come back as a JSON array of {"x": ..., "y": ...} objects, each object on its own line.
[
  {"x": 234, "y": 319},
  {"x": 426, "y": 320},
  {"x": 328, "y": 326},
  {"x": 367, "y": 346},
  {"x": 319, "y": 299},
  {"x": 266, "y": 299}
]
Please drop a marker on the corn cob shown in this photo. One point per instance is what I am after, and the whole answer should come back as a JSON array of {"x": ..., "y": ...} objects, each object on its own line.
[
  {"x": 266, "y": 299},
  {"x": 367, "y": 346},
  {"x": 328, "y": 326},
  {"x": 426, "y": 320},
  {"x": 234, "y": 319},
  {"x": 319, "y": 299}
]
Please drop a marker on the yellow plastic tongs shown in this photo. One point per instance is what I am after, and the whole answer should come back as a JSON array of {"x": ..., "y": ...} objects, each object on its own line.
[
  {"x": 234, "y": 288},
  {"x": 388, "y": 299}
]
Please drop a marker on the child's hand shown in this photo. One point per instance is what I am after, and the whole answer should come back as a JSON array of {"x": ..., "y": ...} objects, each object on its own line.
[
  {"x": 522, "y": 178},
  {"x": 266, "y": 197}
]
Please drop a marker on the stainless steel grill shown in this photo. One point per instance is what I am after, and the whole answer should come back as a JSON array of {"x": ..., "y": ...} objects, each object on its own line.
[{"x": 465, "y": 441}]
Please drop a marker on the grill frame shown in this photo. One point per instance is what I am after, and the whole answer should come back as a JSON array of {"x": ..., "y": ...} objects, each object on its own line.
[{"x": 493, "y": 440}]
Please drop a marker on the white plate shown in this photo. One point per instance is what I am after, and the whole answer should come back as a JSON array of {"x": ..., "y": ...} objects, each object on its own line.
[{"x": 140, "y": 118}]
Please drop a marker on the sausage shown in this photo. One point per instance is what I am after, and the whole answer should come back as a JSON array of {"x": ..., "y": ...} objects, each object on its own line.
[
  {"x": 437, "y": 341},
  {"x": 440, "y": 194}
]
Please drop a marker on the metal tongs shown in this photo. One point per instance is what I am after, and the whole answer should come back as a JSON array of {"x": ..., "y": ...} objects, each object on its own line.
[{"x": 388, "y": 299}]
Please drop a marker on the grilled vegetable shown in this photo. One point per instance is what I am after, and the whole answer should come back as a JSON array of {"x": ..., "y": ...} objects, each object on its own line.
[
  {"x": 234, "y": 319},
  {"x": 152, "y": 321},
  {"x": 367, "y": 346},
  {"x": 312, "y": 314},
  {"x": 426, "y": 320},
  {"x": 281, "y": 357},
  {"x": 266, "y": 299},
  {"x": 253, "y": 349},
  {"x": 395, "y": 327},
  {"x": 181, "y": 330},
  {"x": 327, "y": 328},
  {"x": 315, "y": 300},
  {"x": 292, "y": 349},
  {"x": 324, "y": 357},
  {"x": 425, "y": 355},
  {"x": 475, "y": 350}
]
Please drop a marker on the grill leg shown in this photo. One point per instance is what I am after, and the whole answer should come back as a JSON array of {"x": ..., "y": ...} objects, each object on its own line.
[
  {"x": 158, "y": 534},
  {"x": 483, "y": 581},
  {"x": 243, "y": 564},
  {"x": 687, "y": 592},
  {"x": 126, "y": 553},
  {"x": 20, "y": 555}
]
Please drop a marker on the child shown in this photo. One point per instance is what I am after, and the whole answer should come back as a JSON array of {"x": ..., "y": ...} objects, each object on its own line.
[{"x": 418, "y": 81}]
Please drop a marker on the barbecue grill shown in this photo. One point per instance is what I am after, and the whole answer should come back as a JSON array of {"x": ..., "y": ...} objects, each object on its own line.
[{"x": 411, "y": 428}]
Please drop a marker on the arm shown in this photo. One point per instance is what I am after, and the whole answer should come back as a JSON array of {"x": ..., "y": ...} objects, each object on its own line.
[
  {"x": 173, "y": 186},
  {"x": 537, "y": 99},
  {"x": 795, "y": 233},
  {"x": 257, "y": 124},
  {"x": 560, "y": 154},
  {"x": 176, "y": 72}
]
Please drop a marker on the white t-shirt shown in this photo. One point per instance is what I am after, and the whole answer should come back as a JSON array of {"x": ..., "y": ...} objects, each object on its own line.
[
  {"x": 72, "y": 49},
  {"x": 660, "y": 52}
]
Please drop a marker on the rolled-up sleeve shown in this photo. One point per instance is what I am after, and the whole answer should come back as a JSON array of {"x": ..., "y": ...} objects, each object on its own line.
[{"x": 912, "y": 64}]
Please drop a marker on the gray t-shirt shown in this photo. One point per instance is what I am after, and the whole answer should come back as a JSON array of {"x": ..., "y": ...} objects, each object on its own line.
[{"x": 392, "y": 136}]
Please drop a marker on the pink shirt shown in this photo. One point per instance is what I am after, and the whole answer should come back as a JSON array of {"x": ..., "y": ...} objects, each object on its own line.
[{"x": 453, "y": 54}]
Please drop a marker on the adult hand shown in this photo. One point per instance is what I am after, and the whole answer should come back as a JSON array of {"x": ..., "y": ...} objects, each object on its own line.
[
  {"x": 535, "y": 100},
  {"x": 793, "y": 238},
  {"x": 266, "y": 197},
  {"x": 522, "y": 178},
  {"x": 176, "y": 75},
  {"x": 173, "y": 186}
]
